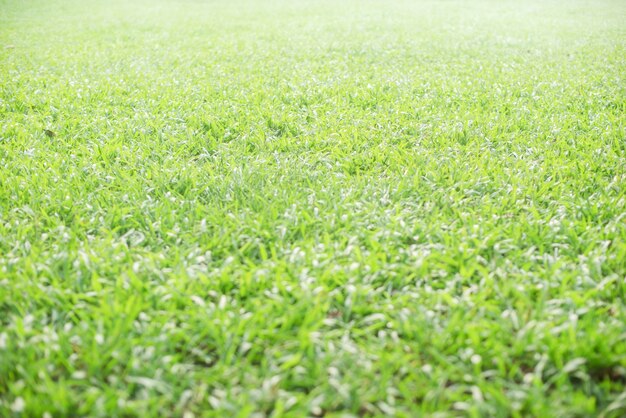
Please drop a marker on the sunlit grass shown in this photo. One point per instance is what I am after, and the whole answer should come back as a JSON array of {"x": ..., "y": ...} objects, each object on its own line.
[{"x": 293, "y": 208}]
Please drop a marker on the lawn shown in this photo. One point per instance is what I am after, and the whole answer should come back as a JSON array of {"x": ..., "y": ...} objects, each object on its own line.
[{"x": 312, "y": 208}]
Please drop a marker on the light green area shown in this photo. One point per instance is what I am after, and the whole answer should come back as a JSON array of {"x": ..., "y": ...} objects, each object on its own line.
[{"x": 323, "y": 208}]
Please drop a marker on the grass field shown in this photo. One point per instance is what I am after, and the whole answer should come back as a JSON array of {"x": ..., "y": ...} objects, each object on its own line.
[{"x": 312, "y": 208}]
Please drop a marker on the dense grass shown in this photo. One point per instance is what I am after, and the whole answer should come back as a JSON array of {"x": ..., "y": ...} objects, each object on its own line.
[{"x": 289, "y": 208}]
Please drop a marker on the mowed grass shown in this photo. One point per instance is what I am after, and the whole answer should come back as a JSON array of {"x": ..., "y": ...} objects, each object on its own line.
[{"x": 312, "y": 208}]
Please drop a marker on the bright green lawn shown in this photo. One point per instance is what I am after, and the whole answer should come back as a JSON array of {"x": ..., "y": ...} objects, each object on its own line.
[{"x": 327, "y": 208}]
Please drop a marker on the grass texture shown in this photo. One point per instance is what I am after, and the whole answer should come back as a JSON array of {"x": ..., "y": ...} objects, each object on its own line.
[{"x": 312, "y": 208}]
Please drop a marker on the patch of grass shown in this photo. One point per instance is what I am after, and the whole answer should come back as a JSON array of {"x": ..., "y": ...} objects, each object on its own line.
[{"x": 360, "y": 208}]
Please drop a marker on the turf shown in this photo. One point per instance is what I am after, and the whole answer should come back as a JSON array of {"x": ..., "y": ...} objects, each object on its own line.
[{"x": 312, "y": 208}]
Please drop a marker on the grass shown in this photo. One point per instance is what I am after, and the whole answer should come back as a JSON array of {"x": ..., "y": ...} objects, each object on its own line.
[{"x": 303, "y": 208}]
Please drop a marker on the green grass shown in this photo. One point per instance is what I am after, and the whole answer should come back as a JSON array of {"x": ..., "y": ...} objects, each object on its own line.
[{"x": 323, "y": 208}]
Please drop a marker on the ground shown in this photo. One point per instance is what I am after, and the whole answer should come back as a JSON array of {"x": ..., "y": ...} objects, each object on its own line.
[{"x": 323, "y": 208}]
